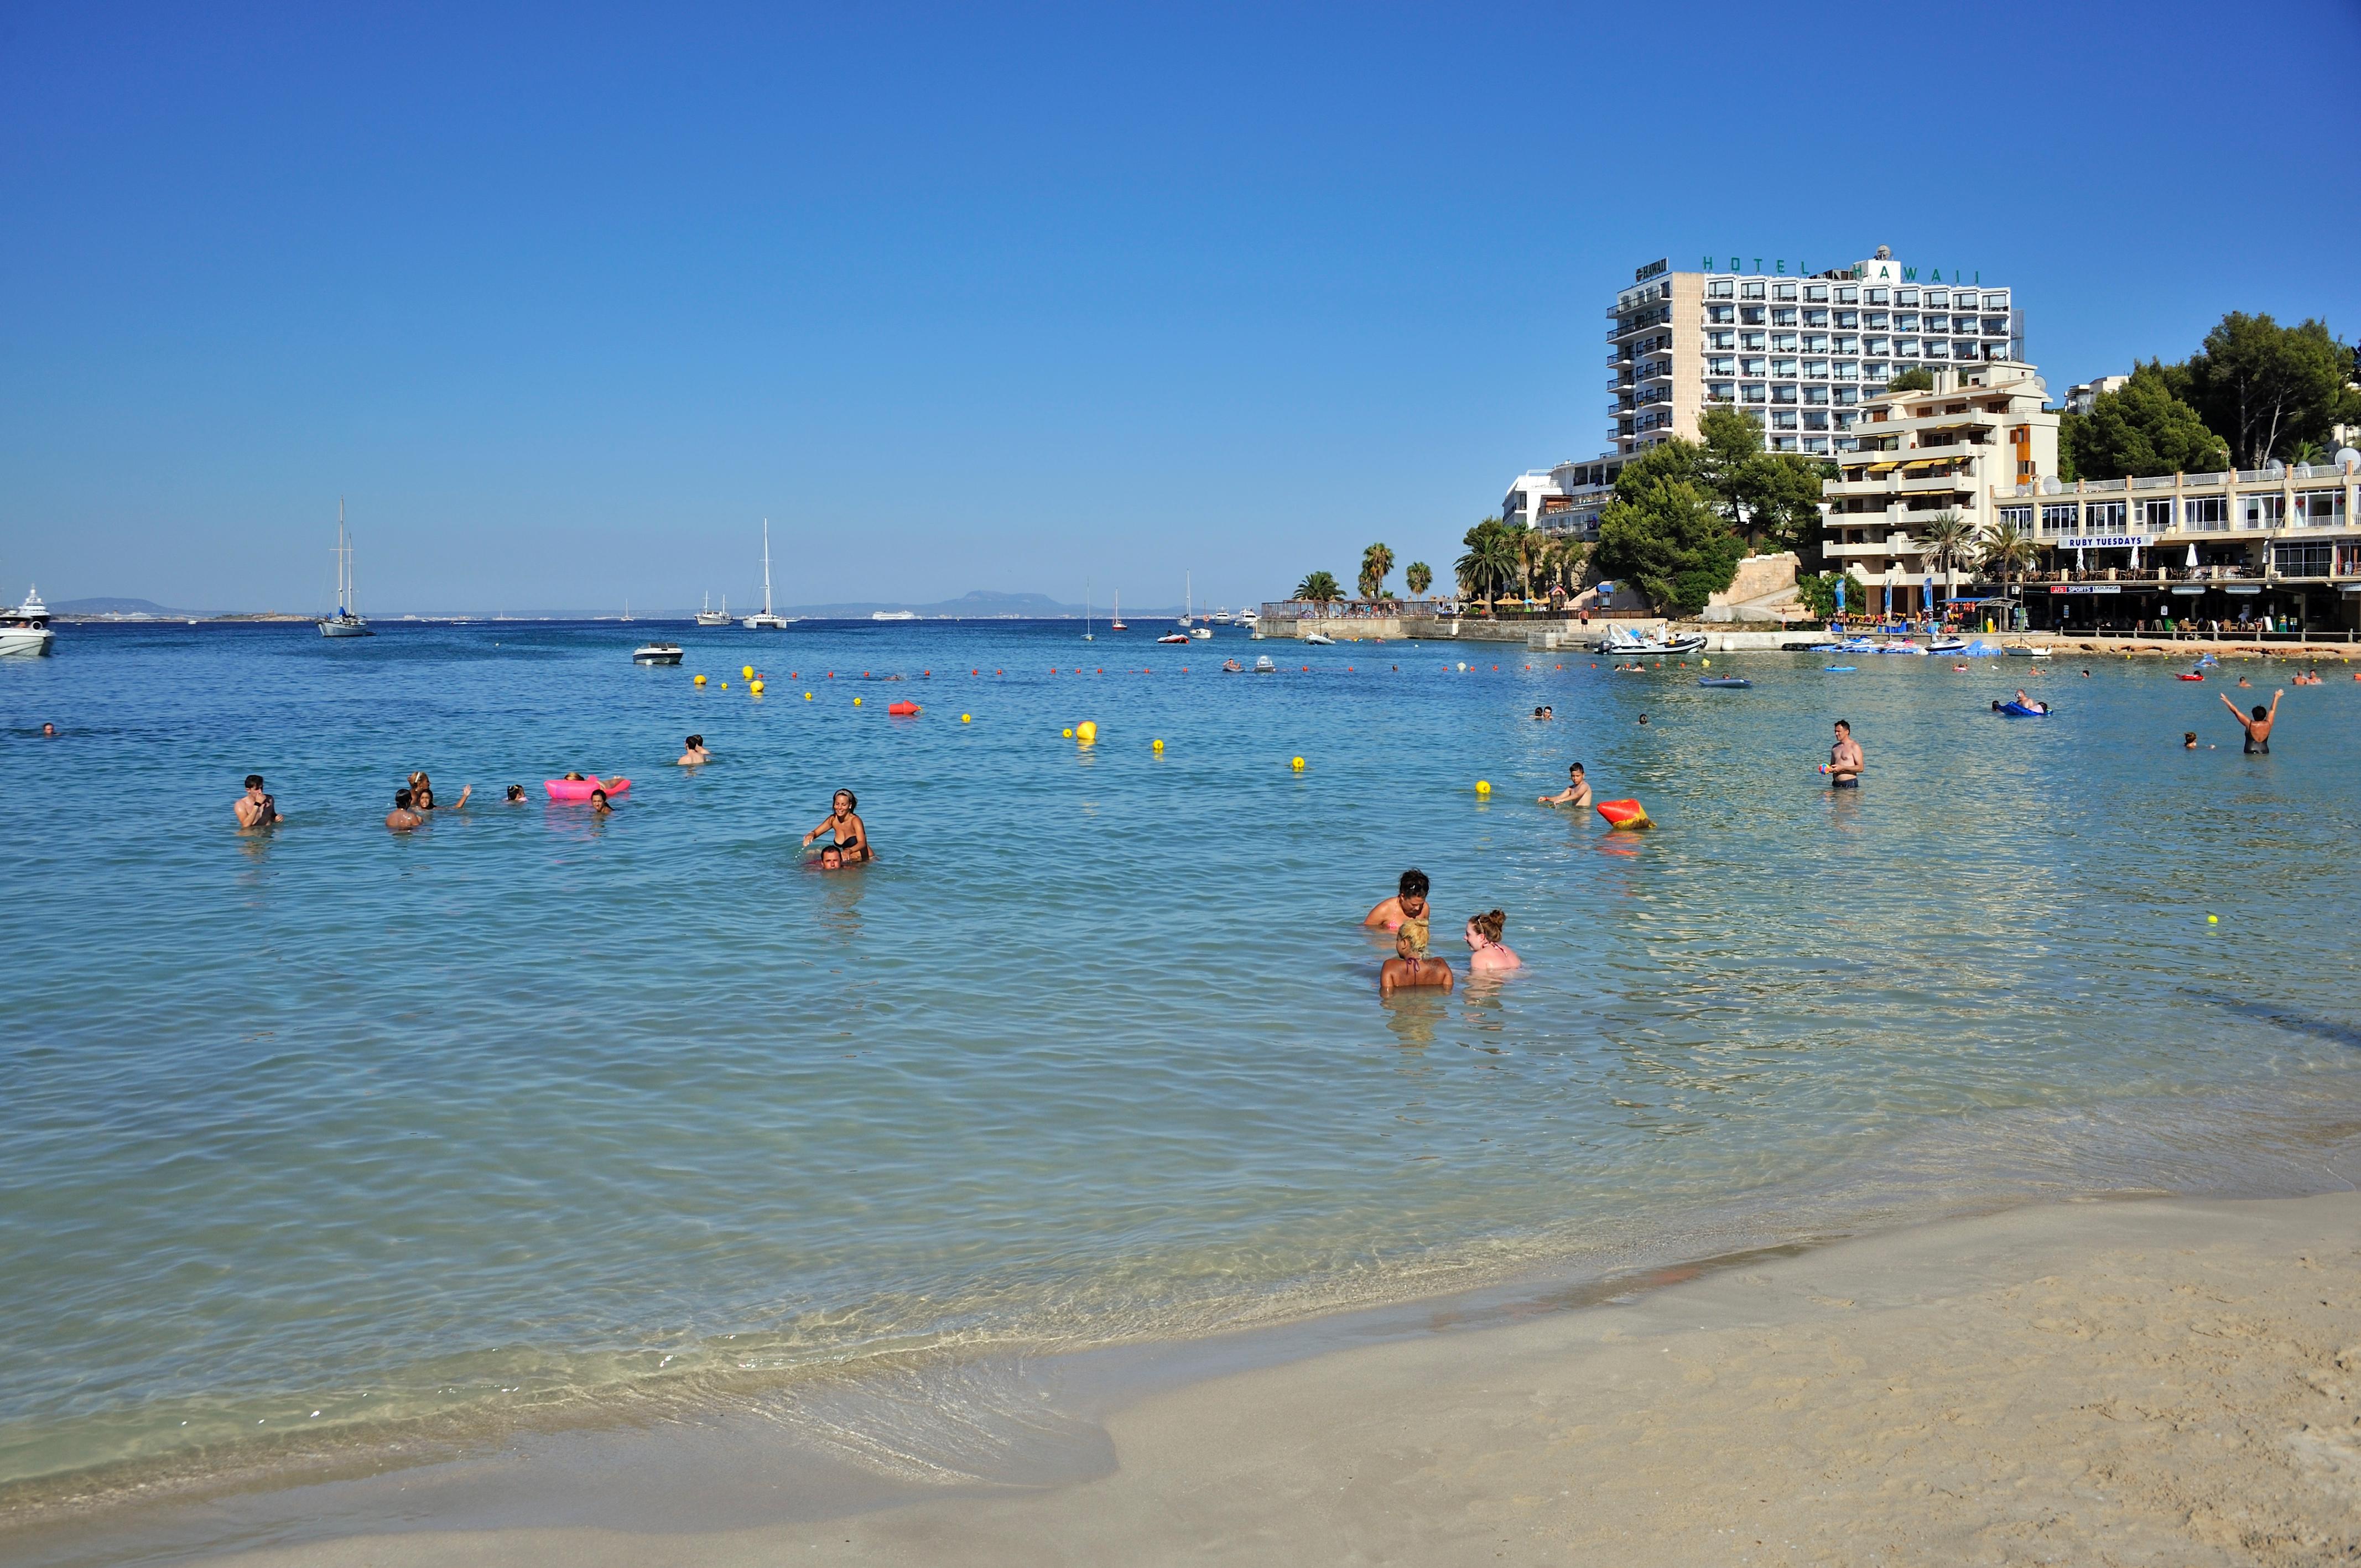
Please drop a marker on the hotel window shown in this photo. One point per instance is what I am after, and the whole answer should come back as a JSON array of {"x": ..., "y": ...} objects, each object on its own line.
[
  {"x": 2018, "y": 518},
  {"x": 1819, "y": 444},
  {"x": 1782, "y": 418},
  {"x": 1815, "y": 318},
  {"x": 1819, "y": 291},
  {"x": 1879, "y": 346},
  {"x": 1783, "y": 291},
  {"x": 1721, "y": 340},
  {"x": 1846, "y": 395},
  {"x": 1752, "y": 339},
  {"x": 2102, "y": 517},
  {"x": 1847, "y": 294},
  {"x": 1782, "y": 443},
  {"x": 1781, "y": 317},
  {"x": 1996, "y": 302},
  {"x": 1750, "y": 290},
  {"x": 1750, "y": 315},
  {"x": 2302, "y": 560},
  {"x": 1848, "y": 320},
  {"x": 1782, "y": 342},
  {"x": 1963, "y": 351},
  {"x": 1877, "y": 296},
  {"x": 1939, "y": 296},
  {"x": 2319, "y": 508},
  {"x": 1938, "y": 323},
  {"x": 1877, "y": 321},
  {"x": 1721, "y": 366},
  {"x": 1842, "y": 370},
  {"x": 1751, "y": 394},
  {"x": 1844, "y": 344},
  {"x": 1816, "y": 418},
  {"x": 1905, "y": 296},
  {"x": 1996, "y": 326},
  {"x": 1816, "y": 343},
  {"x": 1816, "y": 394},
  {"x": 1783, "y": 367},
  {"x": 1721, "y": 289},
  {"x": 2155, "y": 517},
  {"x": 2059, "y": 518},
  {"x": 1720, "y": 315},
  {"x": 1875, "y": 369},
  {"x": 1846, "y": 420},
  {"x": 1906, "y": 348},
  {"x": 1905, "y": 321},
  {"x": 1754, "y": 367},
  {"x": 2262, "y": 511},
  {"x": 1783, "y": 394},
  {"x": 1721, "y": 391},
  {"x": 2205, "y": 515}
]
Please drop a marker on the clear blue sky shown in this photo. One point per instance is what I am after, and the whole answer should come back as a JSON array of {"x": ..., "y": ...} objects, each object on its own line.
[{"x": 566, "y": 301}]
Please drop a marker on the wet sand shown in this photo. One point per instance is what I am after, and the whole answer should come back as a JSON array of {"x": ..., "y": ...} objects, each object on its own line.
[{"x": 2159, "y": 1381}]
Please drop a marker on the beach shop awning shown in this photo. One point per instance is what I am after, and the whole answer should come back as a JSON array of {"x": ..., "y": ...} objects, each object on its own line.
[{"x": 1881, "y": 468}]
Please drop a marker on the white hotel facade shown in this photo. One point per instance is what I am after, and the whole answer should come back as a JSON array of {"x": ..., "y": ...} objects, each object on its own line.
[{"x": 1800, "y": 351}]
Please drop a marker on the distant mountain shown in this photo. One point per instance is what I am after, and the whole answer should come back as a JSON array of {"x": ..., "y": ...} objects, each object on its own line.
[
  {"x": 118, "y": 606},
  {"x": 977, "y": 606}
]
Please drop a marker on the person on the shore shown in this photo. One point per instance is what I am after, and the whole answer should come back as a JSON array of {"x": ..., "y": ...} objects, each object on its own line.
[
  {"x": 1576, "y": 791},
  {"x": 1407, "y": 970},
  {"x": 696, "y": 753},
  {"x": 599, "y": 807},
  {"x": 1845, "y": 760},
  {"x": 1489, "y": 955},
  {"x": 2257, "y": 728},
  {"x": 254, "y": 808},
  {"x": 851, "y": 834},
  {"x": 402, "y": 818},
  {"x": 1407, "y": 904}
]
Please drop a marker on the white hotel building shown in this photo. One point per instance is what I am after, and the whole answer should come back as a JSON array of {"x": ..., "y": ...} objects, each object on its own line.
[{"x": 1798, "y": 351}]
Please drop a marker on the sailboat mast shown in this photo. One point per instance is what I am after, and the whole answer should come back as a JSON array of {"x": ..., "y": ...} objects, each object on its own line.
[{"x": 767, "y": 566}]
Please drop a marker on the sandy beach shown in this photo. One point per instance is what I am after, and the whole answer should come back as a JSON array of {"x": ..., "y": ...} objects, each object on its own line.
[{"x": 2160, "y": 1381}]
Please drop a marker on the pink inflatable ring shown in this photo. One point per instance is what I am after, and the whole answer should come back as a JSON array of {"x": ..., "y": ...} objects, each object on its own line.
[{"x": 579, "y": 789}]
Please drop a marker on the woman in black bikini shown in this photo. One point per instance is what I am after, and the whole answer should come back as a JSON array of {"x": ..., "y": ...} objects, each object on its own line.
[{"x": 851, "y": 837}]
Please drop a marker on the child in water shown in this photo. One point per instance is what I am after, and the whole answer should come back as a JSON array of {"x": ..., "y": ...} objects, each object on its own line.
[{"x": 1491, "y": 956}]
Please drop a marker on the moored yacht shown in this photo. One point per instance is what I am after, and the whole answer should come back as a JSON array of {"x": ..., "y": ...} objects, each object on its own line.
[
  {"x": 24, "y": 630},
  {"x": 709, "y": 615},
  {"x": 346, "y": 622},
  {"x": 765, "y": 619}
]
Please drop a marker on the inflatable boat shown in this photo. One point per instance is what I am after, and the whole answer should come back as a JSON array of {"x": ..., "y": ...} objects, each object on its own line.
[
  {"x": 579, "y": 789},
  {"x": 1624, "y": 814}
]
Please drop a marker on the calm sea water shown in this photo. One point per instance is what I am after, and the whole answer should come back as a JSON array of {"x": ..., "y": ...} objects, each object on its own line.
[{"x": 338, "y": 1132}]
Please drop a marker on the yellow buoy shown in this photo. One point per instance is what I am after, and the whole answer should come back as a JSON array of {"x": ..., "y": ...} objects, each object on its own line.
[
  {"x": 1297, "y": 764},
  {"x": 756, "y": 687},
  {"x": 725, "y": 685},
  {"x": 1068, "y": 734},
  {"x": 962, "y": 718},
  {"x": 1483, "y": 786},
  {"x": 807, "y": 696},
  {"x": 748, "y": 672},
  {"x": 856, "y": 702},
  {"x": 700, "y": 680},
  {"x": 2212, "y": 920},
  {"x": 1706, "y": 662},
  {"x": 1158, "y": 745},
  {"x": 1086, "y": 731}
]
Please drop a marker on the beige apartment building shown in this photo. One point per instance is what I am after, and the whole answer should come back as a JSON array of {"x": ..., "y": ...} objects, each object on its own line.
[{"x": 1980, "y": 432}]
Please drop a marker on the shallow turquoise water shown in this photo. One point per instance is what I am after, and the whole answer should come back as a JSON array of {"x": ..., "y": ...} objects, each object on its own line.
[{"x": 527, "y": 1113}]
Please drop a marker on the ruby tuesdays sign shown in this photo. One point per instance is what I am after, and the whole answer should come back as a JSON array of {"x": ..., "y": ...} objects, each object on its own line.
[{"x": 1880, "y": 271}]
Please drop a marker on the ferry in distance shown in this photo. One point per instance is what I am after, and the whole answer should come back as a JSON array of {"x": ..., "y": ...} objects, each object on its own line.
[{"x": 893, "y": 615}]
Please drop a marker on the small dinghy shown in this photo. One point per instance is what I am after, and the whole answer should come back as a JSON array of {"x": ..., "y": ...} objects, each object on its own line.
[
  {"x": 656, "y": 654},
  {"x": 579, "y": 789},
  {"x": 1736, "y": 683},
  {"x": 1263, "y": 666},
  {"x": 1841, "y": 669},
  {"x": 1180, "y": 637},
  {"x": 1946, "y": 645},
  {"x": 2019, "y": 710}
]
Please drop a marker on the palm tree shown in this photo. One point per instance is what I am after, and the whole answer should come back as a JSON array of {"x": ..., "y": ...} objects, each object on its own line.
[
  {"x": 2009, "y": 549},
  {"x": 1377, "y": 561},
  {"x": 1490, "y": 560},
  {"x": 1318, "y": 587},
  {"x": 1950, "y": 539},
  {"x": 1420, "y": 577},
  {"x": 1532, "y": 548}
]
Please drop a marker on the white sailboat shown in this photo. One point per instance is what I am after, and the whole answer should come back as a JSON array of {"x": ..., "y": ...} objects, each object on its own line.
[
  {"x": 709, "y": 615},
  {"x": 1188, "y": 599},
  {"x": 767, "y": 621},
  {"x": 1115, "y": 623},
  {"x": 346, "y": 622},
  {"x": 1086, "y": 611}
]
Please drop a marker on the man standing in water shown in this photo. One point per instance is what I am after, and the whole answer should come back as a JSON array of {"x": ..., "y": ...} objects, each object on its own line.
[
  {"x": 256, "y": 809},
  {"x": 1845, "y": 760},
  {"x": 2257, "y": 728},
  {"x": 1408, "y": 904}
]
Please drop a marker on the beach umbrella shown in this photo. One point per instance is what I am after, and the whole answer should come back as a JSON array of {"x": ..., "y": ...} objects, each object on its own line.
[
  {"x": 2078, "y": 558},
  {"x": 2191, "y": 561}
]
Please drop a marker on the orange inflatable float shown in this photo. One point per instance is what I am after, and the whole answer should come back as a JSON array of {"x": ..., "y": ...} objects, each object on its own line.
[
  {"x": 1624, "y": 814},
  {"x": 902, "y": 709}
]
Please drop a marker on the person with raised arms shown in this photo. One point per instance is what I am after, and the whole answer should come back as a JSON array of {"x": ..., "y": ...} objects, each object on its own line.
[
  {"x": 2257, "y": 728},
  {"x": 851, "y": 834}
]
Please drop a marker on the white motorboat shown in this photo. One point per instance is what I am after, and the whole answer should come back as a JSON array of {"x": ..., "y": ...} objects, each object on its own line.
[
  {"x": 1318, "y": 640},
  {"x": 709, "y": 615},
  {"x": 765, "y": 619},
  {"x": 1624, "y": 642},
  {"x": 346, "y": 622},
  {"x": 1263, "y": 666},
  {"x": 1180, "y": 637},
  {"x": 893, "y": 615},
  {"x": 1203, "y": 633},
  {"x": 1946, "y": 645},
  {"x": 24, "y": 630},
  {"x": 656, "y": 654}
]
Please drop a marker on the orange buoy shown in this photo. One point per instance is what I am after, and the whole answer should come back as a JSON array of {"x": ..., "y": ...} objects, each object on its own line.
[
  {"x": 1624, "y": 814},
  {"x": 902, "y": 709}
]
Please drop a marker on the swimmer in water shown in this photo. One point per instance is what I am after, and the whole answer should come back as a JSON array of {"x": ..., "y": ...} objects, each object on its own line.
[
  {"x": 516, "y": 794},
  {"x": 1845, "y": 760},
  {"x": 1407, "y": 970},
  {"x": 831, "y": 858},
  {"x": 1409, "y": 904},
  {"x": 2257, "y": 728},
  {"x": 422, "y": 798},
  {"x": 1544, "y": 714},
  {"x": 1490, "y": 955},
  {"x": 401, "y": 819},
  {"x": 599, "y": 807},
  {"x": 1576, "y": 791},
  {"x": 851, "y": 835},
  {"x": 254, "y": 808},
  {"x": 2189, "y": 740},
  {"x": 2025, "y": 701},
  {"x": 696, "y": 753},
  {"x": 48, "y": 731},
  {"x": 1643, "y": 718}
]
